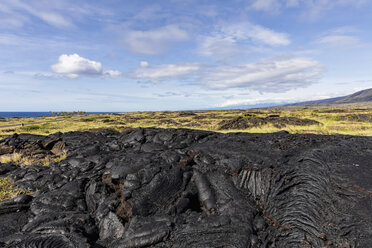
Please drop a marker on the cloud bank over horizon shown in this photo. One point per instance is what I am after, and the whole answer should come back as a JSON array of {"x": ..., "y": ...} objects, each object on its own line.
[{"x": 181, "y": 55}]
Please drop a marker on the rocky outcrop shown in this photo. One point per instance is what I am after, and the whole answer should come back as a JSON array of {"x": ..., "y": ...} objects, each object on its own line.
[
  {"x": 188, "y": 188},
  {"x": 34, "y": 149},
  {"x": 249, "y": 121}
]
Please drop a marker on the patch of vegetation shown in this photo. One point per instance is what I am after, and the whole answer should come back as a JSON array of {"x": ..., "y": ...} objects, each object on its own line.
[
  {"x": 8, "y": 191},
  {"x": 19, "y": 159},
  {"x": 356, "y": 117},
  {"x": 324, "y": 121},
  {"x": 58, "y": 159},
  {"x": 31, "y": 128},
  {"x": 14, "y": 158},
  {"x": 89, "y": 119}
]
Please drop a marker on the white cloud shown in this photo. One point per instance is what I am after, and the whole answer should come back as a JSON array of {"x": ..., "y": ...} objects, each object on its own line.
[
  {"x": 266, "y": 5},
  {"x": 293, "y": 96},
  {"x": 153, "y": 42},
  {"x": 54, "y": 19},
  {"x": 254, "y": 101},
  {"x": 11, "y": 23},
  {"x": 111, "y": 73},
  {"x": 232, "y": 39},
  {"x": 292, "y": 3},
  {"x": 152, "y": 12},
  {"x": 270, "y": 75},
  {"x": 258, "y": 34},
  {"x": 316, "y": 8},
  {"x": 313, "y": 8},
  {"x": 345, "y": 41},
  {"x": 6, "y": 39},
  {"x": 74, "y": 66},
  {"x": 47, "y": 15},
  {"x": 144, "y": 64},
  {"x": 47, "y": 75},
  {"x": 219, "y": 46},
  {"x": 344, "y": 30},
  {"x": 159, "y": 72},
  {"x": 342, "y": 37}
]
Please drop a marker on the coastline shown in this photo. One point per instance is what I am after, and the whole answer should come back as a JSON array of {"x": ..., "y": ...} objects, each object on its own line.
[{"x": 10, "y": 114}]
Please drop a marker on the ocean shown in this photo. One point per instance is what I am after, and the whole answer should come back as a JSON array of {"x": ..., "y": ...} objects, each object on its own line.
[{"x": 37, "y": 114}]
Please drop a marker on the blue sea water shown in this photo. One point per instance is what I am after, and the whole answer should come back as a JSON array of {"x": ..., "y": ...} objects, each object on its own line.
[{"x": 36, "y": 114}]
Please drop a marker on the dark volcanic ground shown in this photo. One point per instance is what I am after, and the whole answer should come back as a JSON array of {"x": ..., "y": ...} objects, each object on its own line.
[{"x": 185, "y": 188}]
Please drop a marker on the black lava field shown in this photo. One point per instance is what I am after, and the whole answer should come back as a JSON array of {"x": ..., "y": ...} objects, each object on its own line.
[{"x": 188, "y": 188}]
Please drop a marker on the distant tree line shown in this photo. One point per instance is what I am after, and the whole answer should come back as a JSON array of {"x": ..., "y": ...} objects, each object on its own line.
[{"x": 67, "y": 113}]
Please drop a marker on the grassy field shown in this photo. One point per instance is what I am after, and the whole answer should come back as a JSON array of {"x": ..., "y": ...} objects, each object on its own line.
[{"x": 352, "y": 121}]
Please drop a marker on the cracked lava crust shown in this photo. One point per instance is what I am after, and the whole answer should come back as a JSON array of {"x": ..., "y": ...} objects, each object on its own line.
[{"x": 188, "y": 188}]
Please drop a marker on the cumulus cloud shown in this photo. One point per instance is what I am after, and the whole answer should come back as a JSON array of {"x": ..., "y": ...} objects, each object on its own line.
[
  {"x": 153, "y": 42},
  {"x": 159, "y": 72},
  {"x": 74, "y": 66},
  {"x": 111, "y": 73},
  {"x": 270, "y": 75},
  {"x": 230, "y": 39},
  {"x": 144, "y": 64}
]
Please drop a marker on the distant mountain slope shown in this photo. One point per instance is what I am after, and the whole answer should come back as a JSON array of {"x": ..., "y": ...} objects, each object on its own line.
[{"x": 360, "y": 96}]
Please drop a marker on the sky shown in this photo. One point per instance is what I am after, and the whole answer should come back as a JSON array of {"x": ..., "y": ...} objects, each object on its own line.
[{"x": 145, "y": 55}]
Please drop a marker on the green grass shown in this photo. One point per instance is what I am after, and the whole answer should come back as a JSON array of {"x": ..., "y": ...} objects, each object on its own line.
[
  {"x": 55, "y": 160},
  {"x": 8, "y": 191},
  {"x": 19, "y": 159},
  {"x": 347, "y": 120},
  {"x": 33, "y": 128}
]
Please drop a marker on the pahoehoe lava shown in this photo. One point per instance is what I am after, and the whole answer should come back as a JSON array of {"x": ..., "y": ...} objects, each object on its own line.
[{"x": 187, "y": 188}]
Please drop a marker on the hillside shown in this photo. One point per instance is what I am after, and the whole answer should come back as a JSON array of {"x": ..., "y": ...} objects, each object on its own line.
[
  {"x": 360, "y": 96},
  {"x": 363, "y": 96}
]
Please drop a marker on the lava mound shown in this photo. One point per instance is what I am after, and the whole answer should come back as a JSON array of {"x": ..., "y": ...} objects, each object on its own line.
[
  {"x": 249, "y": 121},
  {"x": 188, "y": 188}
]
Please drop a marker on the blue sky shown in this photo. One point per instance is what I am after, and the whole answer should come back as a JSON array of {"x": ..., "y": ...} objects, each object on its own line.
[{"x": 113, "y": 55}]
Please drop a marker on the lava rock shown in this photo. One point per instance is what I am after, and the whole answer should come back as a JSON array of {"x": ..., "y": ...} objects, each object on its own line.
[
  {"x": 110, "y": 227},
  {"x": 188, "y": 188}
]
